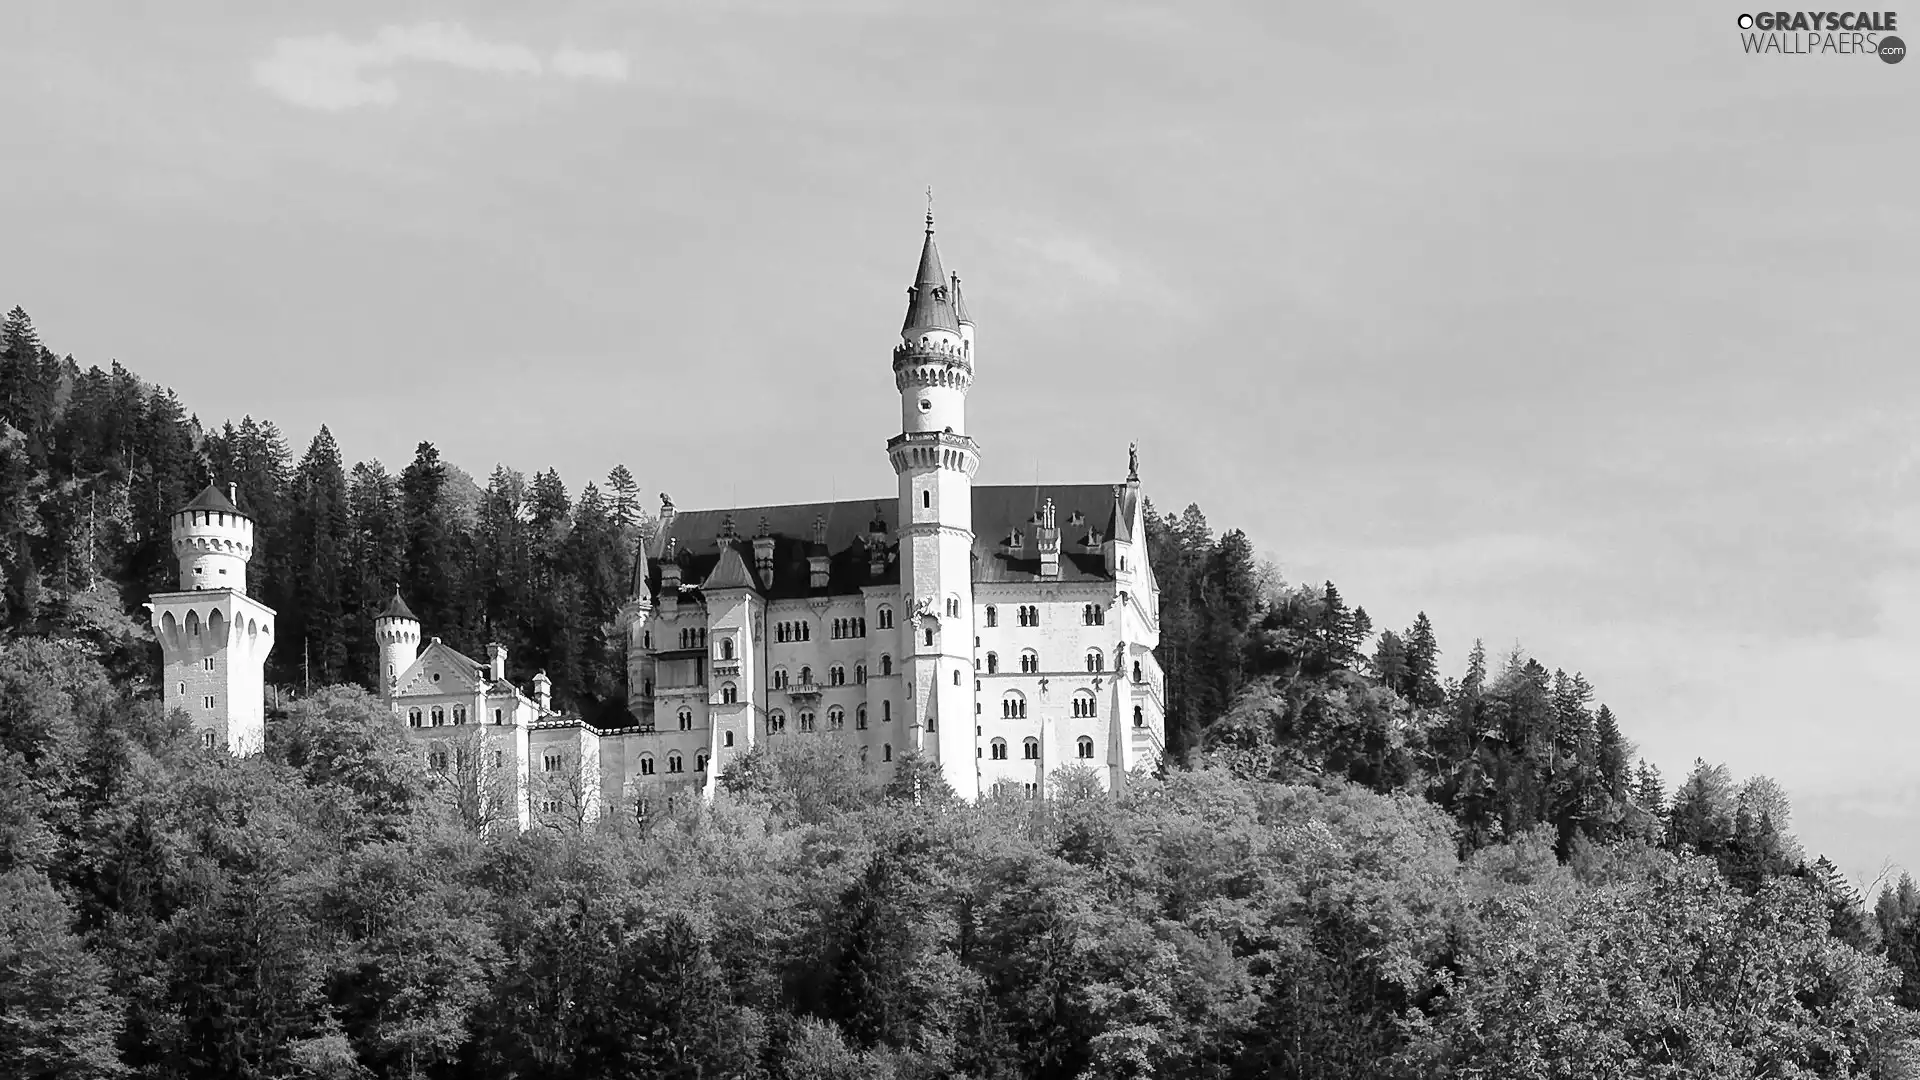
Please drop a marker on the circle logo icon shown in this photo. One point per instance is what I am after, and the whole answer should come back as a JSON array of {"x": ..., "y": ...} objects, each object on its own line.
[
  {"x": 1892, "y": 50},
  {"x": 1746, "y": 22}
]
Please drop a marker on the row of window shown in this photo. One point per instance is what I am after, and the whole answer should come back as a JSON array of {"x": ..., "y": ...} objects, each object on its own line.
[
  {"x": 1013, "y": 706},
  {"x": 693, "y": 637},
  {"x": 1030, "y": 748},
  {"x": 793, "y": 631},
  {"x": 854, "y": 627},
  {"x": 1029, "y": 615},
  {"x": 836, "y": 718}
]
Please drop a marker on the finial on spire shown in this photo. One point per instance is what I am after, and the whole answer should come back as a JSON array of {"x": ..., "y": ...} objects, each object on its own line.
[
  {"x": 929, "y": 209},
  {"x": 1133, "y": 461}
]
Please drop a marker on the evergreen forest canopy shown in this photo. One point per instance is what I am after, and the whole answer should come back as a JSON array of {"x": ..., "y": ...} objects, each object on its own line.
[{"x": 1354, "y": 865}]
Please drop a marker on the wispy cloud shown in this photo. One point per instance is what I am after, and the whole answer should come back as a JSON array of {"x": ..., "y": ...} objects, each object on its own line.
[{"x": 332, "y": 73}]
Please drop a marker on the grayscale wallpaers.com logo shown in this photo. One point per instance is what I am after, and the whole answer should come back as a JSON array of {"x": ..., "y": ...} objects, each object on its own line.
[{"x": 1810, "y": 33}]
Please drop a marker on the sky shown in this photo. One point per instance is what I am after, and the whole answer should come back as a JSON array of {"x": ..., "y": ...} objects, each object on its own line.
[{"x": 1573, "y": 326}]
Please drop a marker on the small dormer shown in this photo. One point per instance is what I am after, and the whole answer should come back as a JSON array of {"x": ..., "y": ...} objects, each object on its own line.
[{"x": 876, "y": 544}]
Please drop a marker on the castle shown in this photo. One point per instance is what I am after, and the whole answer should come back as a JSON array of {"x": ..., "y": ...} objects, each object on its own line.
[{"x": 1002, "y": 632}]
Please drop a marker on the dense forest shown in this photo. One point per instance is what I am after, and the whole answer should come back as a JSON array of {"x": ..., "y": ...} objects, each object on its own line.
[{"x": 1355, "y": 864}]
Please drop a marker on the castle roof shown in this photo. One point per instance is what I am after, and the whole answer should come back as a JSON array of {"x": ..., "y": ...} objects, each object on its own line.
[
  {"x": 397, "y": 609},
  {"x": 1000, "y": 514},
  {"x": 212, "y": 498},
  {"x": 930, "y": 303},
  {"x": 960, "y": 304}
]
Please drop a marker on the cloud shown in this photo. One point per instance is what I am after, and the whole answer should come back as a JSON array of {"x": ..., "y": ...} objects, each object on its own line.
[{"x": 332, "y": 73}]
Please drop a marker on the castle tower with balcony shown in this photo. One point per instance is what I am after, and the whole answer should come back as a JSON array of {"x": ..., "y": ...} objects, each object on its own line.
[{"x": 214, "y": 638}]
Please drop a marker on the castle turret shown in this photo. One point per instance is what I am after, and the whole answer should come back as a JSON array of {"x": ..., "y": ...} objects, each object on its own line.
[
  {"x": 214, "y": 638},
  {"x": 397, "y": 630},
  {"x": 935, "y": 461}
]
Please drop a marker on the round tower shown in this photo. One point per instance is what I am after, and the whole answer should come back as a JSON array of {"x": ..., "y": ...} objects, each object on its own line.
[
  {"x": 213, "y": 539},
  {"x": 935, "y": 461},
  {"x": 397, "y": 630}
]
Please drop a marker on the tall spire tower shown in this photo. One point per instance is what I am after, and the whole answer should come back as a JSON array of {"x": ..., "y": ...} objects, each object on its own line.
[
  {"x": 214, "y": 638},
  {"x": 935, "y": 461}
]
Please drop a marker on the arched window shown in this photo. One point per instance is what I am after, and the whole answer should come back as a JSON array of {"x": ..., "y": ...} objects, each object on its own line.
[
  {"x": 886, "y": 751},
  {"x": 646, "y": 639},
  {"x": 806, "y": 676},
  {"x": 729, "y": 694},
  {"x": 646, "y": 764},
  {"x": 806, "y": 721},
  {"x": 836, "y": 676},
  {"x": 1084, "y": 746},
  {"x": 206, "y": 740},
  {"x": 886, "y": 711},
  {"x": 953, "y": 607},
  {"x": 459, "y": 714},
  {"x": 806, "y": 631},
  {"x": 999, "y": 749},
  {"x": 1136, "y": 671},
  {"x": 860, "y": 718},
  {"x": 926, "y": 498},
  {"x": 700, "y": 761},
  {"x": 779, "y": 678},
  {"x": 1096, "y": 660},
  {"x": 726, "y": 649},
  {"x": 885, "y": 618},
  {"x": 1083, "y": 703},
  {"x": 860, "y": 674},
  {"x": 836, "y": 718},
  {"x": 439, "y": 716},
  {"x": 1139, "y": 717},
  {"x": 776, "y": 721},
  {"x": 780, "y": 632},
  {"x": 727, "y": 739},
  {"x": 498, "y": 718},
  {"x": 413, "y": 718},
  {"x": 886, "y": 664},
  {"x": 929, "y": 633},
  {"x": 993, "y": 663},
  {"x": 1030, "y": 748},
  {"x": 1013, "y": 706},
  {"x": 1029, "y": 661},
  {"x": 674, "y": 761},
  {"x": 993, "y": 615},
  {"x": 686, "y": 719}
]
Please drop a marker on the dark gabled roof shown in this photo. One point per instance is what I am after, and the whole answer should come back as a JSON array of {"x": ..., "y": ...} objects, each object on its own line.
[
  {"x": 397, "y": 609},
  {"x": 930, "y": 303},
  {"x": 212, "y": 498},
  {"x": 997, "y": 513},
  {"x": 730, "y": 570}
]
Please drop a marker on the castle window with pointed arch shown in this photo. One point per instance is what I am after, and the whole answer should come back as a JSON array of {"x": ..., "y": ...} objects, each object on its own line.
[
  {"x": 700, "y": 762},
  {"x": 1030, "y": 748},
  {"x": 1084, "y": 703},
  {"x": 860, "y": 718},
  {"x": 993, "y": 615},
  {"x": 726, "y": 648},
  {"x": 779, "y": 678},
  {"x": 1029, "y": 662},
  {"x": 806, "y": 676},
  {"x": 729, "y": 694},
  {"x": 953, "y": 607},
  {"x": 836, "y": 676},
  {"x": 439, "y": 716},
  {"x": 686, "y": 718},
  {"x": 806, "y": 721},
  {"x": 993, "y": 663},
  {"x": 884, "y": 617},
  {"x": 674, "y": 762},
  {"x": 1084, "y": 747},
  {"x": 776, "y": 722},
  {"x": 459, "y": 714},
  {"x": 836, "y": 718},
  {"x": 860, "y": 674},
  {"x": 886, "y": 663},
  {"x": 999, "y": 749},
  {"x": 1096, "y": 660},
  {"x": 646, "y": 764},
  {"x": 1013, "y": 706},
  {"x": 413, "y": 716}
]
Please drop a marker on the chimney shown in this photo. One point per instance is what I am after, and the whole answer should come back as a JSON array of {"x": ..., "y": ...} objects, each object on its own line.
[
  {"x": 1047, "y": 539},
  {"x": 543, "y": 691},
  {"x": 877, "y": 544},
  {"x": 819, "y": 561},
  {"x": 496, "y": 662},
  {"x": 763, "y": 554}
]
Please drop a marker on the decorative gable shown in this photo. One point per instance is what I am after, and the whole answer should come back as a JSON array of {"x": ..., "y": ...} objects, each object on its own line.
[{"x": 441, "y": 670}]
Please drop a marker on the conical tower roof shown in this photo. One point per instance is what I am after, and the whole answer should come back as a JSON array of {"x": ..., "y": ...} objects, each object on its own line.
[
  {"x": 212, "y": 498},
  {"x": 930, "y": 306},
  {"x": 397, "y": 608}
]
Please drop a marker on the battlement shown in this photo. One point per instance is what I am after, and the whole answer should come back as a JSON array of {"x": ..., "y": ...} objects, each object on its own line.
[{"x": 933, "y": 362}]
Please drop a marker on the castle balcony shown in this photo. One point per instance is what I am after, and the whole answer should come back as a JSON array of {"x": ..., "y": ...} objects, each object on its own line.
[
  {"x": 726, "y": 669},
  {"x": 804, "y": 692}
]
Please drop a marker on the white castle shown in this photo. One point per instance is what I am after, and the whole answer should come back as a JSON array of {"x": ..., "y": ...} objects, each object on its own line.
[{"x": 1001, "y": 632}]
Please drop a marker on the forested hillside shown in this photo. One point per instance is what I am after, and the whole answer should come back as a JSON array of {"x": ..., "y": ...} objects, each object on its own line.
[{"x": 1362, "y": 861}]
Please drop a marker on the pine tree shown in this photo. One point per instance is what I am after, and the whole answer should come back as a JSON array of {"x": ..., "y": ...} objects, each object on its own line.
[
  {"x": 1390, "y": 662},
  {"x": 322, "y": 530},
  {"x": 428, "y": 569},
  {"x": 376, "y": 560},
  {"x": 1423, "y": 664},
  {"x": 625, "y": 496},
  {"x": 1613, "y": 750}
]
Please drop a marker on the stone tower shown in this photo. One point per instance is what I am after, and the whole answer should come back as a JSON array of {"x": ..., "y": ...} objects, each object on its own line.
[
  {"x": 397, "y": 631},
  {"x": 214, "y": 638},
  {"x": 935, "y": 461}
]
